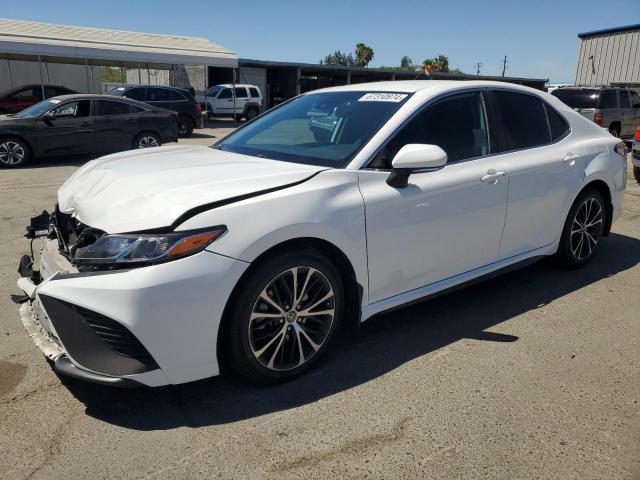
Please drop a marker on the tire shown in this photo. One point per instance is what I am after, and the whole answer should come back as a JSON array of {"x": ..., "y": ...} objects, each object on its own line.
[
  {"x": 14, "y": 152},
  {"x": 251, "y": 113},
  {"x": 185, "y": 126},
  {"x": 146, "y": 140},
  {"x": 585, "y": 223},
  {"x": 614, "y": 130},
  {"x": 636, "y": 173},
  {"x": 287, "y": 341}
]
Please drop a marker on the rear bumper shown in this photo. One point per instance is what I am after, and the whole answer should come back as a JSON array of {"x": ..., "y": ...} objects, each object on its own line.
[{"x": 635, "y": 154}]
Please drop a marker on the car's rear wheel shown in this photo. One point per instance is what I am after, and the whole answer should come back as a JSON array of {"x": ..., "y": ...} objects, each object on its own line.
[
  {"x": 283, "y": 317},
  {"x": 583, "y": 230},
  {"x": 146, "y": 140},
  {"x": 636, "y": 173},
  {"x": 614, "y": 130},
  {"x": 13, "y": 152},
  {"x": 185, "y": 126},
  {"x": 252, "y": 113}
]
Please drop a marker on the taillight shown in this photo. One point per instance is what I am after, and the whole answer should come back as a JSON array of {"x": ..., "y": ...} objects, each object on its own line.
[
  {"x": 621, "y": 148},
  {"x": 198, "y": 107},
  {"x": 597, "y": 118},
  {"x": 636, "y": 137}
]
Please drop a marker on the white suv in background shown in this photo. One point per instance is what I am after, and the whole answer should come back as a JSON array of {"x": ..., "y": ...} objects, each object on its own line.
[{"x": 219, "y": 101}]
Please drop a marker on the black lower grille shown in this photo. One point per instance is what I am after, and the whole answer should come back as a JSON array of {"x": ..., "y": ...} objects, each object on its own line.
[
  {"x": 115, "y": 335},
  {"x": 97, "y": 342}
]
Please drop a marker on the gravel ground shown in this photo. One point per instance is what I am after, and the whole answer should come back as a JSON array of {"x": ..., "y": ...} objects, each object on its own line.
[{"x": 531, "y": 375}]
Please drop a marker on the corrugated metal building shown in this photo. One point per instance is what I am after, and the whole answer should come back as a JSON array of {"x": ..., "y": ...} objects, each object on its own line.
[{"x": 610, "y": 57}]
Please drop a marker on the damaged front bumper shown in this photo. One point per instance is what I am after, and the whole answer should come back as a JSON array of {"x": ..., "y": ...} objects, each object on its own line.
[{"x": 153, "y": 325}]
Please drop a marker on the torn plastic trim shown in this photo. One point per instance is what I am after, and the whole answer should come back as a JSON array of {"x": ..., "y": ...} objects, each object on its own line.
[{"x": 38, "y": 334}]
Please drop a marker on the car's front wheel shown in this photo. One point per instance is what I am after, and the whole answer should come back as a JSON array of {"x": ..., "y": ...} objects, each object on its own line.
[
  {"x": 583, "y": 229},
  {"x": 283, "y": 317},
  {"x": 13, "y": 152}
]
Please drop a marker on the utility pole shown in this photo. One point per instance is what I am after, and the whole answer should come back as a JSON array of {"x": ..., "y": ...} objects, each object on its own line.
[
  {"x": 478, "y": 65},
  {"x": 504, "y": 65}
]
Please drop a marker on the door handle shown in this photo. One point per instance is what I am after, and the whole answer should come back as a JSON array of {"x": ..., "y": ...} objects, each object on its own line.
[
  {"x": 492, "y": 176},
  {"x": 570, "y": 158}
]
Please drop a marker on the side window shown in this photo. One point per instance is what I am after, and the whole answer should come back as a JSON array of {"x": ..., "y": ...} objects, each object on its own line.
[
  {"x": 557, "y": 124},
  {"x": 624, "y": 99},
  {"x": 135, "y": 94},
  {"x": 108, "y": 107},
  {"x": 609, "y": 98},
  {"x": 176, "y": 96},
  {"x": 52, "y": 92},
  {"x": 226, "y": 93},
  {"x": 72, "y": 109},
  {"x": 158, "y": 95},
  {"x": 135, "y": 109},
  {"x": 241, "y": 92},
  {"x": 28, "y": 93},
  {"x": 254, "y": 92},
  {"x": 524, "y": 121},
  {"x": 635, "y": 99},
  {"x": 457, "y": 124}
]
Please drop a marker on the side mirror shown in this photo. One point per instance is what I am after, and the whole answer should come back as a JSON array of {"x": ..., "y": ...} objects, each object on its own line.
[{"x": 412, "y": 157}]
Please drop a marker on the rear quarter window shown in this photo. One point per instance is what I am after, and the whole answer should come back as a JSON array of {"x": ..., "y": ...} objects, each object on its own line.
[
  {"x": 523, "y": 121},
  {"x": 558, "y": 126},
  {"x": 254, "y": 92},
  {"x": 578, "y": 98}
]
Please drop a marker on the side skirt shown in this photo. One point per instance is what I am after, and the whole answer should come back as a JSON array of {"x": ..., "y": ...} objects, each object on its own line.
[{"x": 451, "y": 284}]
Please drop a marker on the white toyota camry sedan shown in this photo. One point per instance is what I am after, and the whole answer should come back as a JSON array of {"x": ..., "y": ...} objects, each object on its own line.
[{"x": 158, "y": 266}]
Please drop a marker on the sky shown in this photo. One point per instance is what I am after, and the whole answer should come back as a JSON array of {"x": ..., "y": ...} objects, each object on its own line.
[{"x": 539, "y": 38}]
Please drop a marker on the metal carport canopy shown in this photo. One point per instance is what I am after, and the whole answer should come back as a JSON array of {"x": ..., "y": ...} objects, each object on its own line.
[{"x": 24, "y": 40}]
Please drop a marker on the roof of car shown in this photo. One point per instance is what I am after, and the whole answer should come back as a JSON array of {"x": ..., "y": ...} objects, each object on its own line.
[
  {"x": 412, "y": 86},
  {"x": 146, "y": 85},
  {"x": 229, "y": 85}
]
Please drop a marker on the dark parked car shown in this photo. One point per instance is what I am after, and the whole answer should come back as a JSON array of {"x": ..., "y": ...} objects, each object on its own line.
[
  {"x": 176, "y": 99},
  {"x": 81, "y": 124},
  {"x": 19, "y": 98}
]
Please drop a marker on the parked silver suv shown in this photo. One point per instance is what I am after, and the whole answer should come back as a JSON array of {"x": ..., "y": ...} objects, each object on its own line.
[{"x": 614, "y": 108}]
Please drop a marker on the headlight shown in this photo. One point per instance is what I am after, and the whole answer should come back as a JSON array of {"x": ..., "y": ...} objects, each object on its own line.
[{"x": 125, "y": 249}]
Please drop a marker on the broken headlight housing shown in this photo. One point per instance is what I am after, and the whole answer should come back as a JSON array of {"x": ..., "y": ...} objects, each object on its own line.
[{"x": 128, "y": 250}]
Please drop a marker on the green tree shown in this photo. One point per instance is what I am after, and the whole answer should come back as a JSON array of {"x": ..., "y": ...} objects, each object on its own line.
[
  {"x": 406, "y": 63},
  {"x": 364, "y": 54},
  {"x": 339, "y": 58},
  {"x": 438, "y": 64}
]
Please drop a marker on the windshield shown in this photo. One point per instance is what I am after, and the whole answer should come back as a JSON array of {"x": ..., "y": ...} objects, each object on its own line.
[
  {"x": 213, "y": 91},
  {"x": 577, "y": 98},
  {"x": 36, "y": 110},
  {"x": 326, "y": 129}
]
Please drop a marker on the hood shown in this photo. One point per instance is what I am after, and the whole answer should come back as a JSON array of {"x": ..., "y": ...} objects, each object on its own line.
[{"x": 151, "y": 188}]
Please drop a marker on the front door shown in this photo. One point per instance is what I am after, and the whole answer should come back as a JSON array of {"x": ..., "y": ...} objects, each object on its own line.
[
  {"x": 67, "y": 128},
  {"x": 223, "y": 103},
  {"x": 446, "y": 222}
]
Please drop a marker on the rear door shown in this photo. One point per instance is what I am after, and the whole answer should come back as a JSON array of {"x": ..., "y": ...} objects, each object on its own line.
[
  {"x": 544, "y": 165},
  {"x": 635, "y": 106},
  {"x": 242, "y": 98},
  {"x": 116, "y": 123},
  {"x": 627, "y": 114}
]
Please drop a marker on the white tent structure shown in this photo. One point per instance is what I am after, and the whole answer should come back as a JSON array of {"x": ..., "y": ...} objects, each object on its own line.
[{"x": 46, "y": 44}]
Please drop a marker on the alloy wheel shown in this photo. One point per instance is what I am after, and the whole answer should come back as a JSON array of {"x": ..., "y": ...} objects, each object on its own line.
[
  {"x": 148, "y": 142},
  {"x": 11, "y": 153},
  {"x": 291, "y": 318},
  {"x": 586, "y": 229}
]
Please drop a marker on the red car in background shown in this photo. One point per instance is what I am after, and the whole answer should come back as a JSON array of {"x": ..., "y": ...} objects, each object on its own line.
[{"x": 19, "y": 98}]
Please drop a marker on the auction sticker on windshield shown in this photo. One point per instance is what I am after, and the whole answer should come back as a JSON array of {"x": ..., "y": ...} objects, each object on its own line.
[{"x": 383, "y": 97}]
